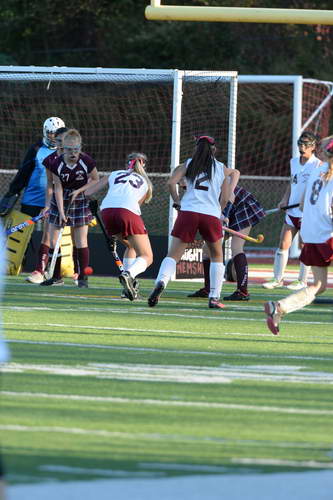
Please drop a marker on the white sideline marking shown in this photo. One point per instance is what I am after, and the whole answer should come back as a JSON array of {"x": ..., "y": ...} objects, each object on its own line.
[
  {"x": 311, "y": 464},
  {"x": 36, "y": 326},
  {"x": 99, "y": 472},
  {"x": 173, "y": 351},
  {"x": 220, "y": 316},
  {"x": 161, "y": 402}
]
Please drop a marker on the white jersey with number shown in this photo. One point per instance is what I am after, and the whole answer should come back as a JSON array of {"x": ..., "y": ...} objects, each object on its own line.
[
  {"x": 299, "y": 177},
  {"x": 203, "y": 195},
  {"x": 317, "y": 222},
  {"x": 126, "y": 189}
]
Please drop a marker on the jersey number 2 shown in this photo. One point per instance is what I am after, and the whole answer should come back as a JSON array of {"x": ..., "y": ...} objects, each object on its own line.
[{"x": 198, "y": 183}]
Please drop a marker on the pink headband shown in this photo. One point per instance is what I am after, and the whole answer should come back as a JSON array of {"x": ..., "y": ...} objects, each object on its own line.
[
  {"x": 208, "y": 138},
  {"x": 329, "y": 146},
  {"x": 131, "y": 163}
]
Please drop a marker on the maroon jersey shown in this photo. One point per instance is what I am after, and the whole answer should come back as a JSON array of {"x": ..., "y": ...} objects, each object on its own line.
[
  {"x": 49, "y": 160},
  {"x": 76, "y": 176}
]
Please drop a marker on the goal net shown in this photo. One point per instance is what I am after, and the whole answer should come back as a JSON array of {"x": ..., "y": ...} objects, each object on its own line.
[
  {"x": 117, "y": 111},
  {"x": 159, "y": 112}
]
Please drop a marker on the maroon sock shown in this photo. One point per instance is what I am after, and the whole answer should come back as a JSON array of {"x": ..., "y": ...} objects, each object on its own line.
[
  {"x": 206, "y": 266},
  {"x": 75, "y": 260},
  {"x": 83, "y": 260},
  {"x": 57, "y": 267},
  {"x": 43, "y": 257},
  {"x": 241, "y": 268}
]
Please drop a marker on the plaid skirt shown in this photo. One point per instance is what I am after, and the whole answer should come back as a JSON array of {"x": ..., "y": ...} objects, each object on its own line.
[
  {"x": 246, "y": 210},
  {"x": 79, "y": 213}
]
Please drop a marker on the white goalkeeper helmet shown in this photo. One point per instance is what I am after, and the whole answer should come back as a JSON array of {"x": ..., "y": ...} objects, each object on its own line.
[{"x": 50, "y": 126}]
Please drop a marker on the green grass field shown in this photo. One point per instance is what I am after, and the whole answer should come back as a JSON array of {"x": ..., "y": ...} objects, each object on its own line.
[{"x": 99, "y": 384}]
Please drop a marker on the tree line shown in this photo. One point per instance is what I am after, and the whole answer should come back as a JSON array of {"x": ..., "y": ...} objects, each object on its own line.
[{"x": 115, "y": 33}]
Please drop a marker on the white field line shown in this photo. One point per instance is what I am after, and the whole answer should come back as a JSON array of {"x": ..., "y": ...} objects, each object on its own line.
[
  {"x": 177, "y": 373},
  {"x": 172, "y": 351},
  {"x": 311, "y": 464},
  {"x": 231, "y": 307},
  {"x": 218, "y": 317},
  {"x": 93, "y": 328},
  {"x": 162, "y": 402},
  {"x": 101, "y": 472}
]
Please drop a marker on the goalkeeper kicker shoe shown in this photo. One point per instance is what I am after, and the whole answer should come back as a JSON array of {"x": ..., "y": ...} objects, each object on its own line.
[{"x": 273, "y": 316}]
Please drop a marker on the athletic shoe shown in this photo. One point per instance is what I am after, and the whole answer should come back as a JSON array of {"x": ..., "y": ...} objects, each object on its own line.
[
  {"x": 35, "y": 277},
  {"x": 155, "y": 294},
  {"x": 296, "y": 285},
  {"x": 75, "y": 278},
  {"x": 83, "y": 283},
  {"x": 136, "y": 286},
  {"x": 128, "y": 283},
  {"x": 200, "y": 293},
  {"x": 52, "y": 282},
  {"x": 273, "y": 284},
  {"x": 214, "y": 303},
  {"x": 273, "y": 316},
  {"x": 237, "y": 295}
]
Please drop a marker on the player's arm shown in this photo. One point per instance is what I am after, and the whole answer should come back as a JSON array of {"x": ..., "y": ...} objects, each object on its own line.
[
  {"x": 225, "y": 193},
  {"x": 94, "y": 187},
  {"x": 176, "y": 176},
  {"x": 93, "y": 179},
  {"x": 232, "y": 175},
  {"x": 25, "y": 170},
  {"x": 49, "y": 190},
  {"x": 59, "y": 196}
]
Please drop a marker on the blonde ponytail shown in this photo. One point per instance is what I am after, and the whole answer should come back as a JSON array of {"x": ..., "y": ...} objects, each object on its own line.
[
  {"x": 136, "y": 162},
  {"x": 138, "y": 168}
]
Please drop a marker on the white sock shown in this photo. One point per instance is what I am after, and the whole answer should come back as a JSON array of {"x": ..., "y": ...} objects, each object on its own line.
[
  {"x": 280, "y": 263},
  {"x": 167, "y": 269},
  {"x": 139, "y": 266},
  {"x": 127, "y": 263},
  {"x": 297, "y": 300},
  {"x": 216, "y": 275},
  {"x": 303, "y": 272}
]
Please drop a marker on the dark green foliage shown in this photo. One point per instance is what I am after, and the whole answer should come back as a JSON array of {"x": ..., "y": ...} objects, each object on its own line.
[{"x": 116, "y": 34}]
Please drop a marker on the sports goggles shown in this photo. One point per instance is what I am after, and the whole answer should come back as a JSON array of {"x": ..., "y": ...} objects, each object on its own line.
[
  {"x": 307, "y": 144},
  {"x": 208, "y": 138},
  {"x": 75, "y": 149}
]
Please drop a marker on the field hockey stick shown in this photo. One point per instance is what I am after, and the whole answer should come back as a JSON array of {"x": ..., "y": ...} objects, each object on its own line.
[
  {"x": 259, "y": 239},
  {"x": 274, "y": 210},
  {"x": 49, "y": 273},
  {"x": 22, "y": 225},
  {"x": 111, "y": 242}
]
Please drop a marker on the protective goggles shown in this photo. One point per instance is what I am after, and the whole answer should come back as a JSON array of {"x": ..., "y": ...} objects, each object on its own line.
[
  {"x": 307, "y": 144},
  {"x": 75, "y": 149},
  {"x": 208, "y": 138}
]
